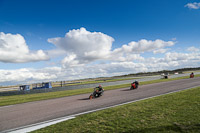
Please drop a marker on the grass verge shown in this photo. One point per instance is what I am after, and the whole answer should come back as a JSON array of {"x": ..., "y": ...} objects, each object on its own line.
[
  {"x": 16, "y": 99},
  {"x": 176, "y": 112}
]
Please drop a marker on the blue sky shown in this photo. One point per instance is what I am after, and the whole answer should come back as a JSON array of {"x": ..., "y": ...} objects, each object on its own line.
[{"x": 108, "y": 24}]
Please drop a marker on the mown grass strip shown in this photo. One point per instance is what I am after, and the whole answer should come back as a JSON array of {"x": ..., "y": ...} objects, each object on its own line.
[
  {"x": 175, "y": 112},
  {"x": 16, "y": 99},
  {"x": 97, "y": 81}
]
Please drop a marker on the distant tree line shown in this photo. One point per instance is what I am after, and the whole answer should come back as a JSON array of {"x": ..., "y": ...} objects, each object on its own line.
[{"x": 160, "y": 72}]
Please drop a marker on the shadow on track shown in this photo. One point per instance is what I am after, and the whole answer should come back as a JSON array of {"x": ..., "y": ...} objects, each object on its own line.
[
  {"x": 84, "y": 99},
  {"x": 126, "y": 90}
]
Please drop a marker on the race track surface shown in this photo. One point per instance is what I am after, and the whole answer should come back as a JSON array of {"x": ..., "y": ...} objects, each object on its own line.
[{"x": 29, "y": 113}]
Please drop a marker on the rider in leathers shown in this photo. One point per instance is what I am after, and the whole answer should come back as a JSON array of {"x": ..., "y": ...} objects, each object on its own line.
[{"x": 100, "y": 90}]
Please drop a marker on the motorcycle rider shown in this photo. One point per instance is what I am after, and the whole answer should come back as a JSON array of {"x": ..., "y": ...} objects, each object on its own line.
[
  {"x": 100, "y": 90},
  {"x": 192, "y": 75},
  {"x": 136, "y": 84}
]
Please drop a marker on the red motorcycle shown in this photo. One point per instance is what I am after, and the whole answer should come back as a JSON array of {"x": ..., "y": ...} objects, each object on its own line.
[
  {"x": 192, "y": 75},
  {"x": 134, "y": 85}
]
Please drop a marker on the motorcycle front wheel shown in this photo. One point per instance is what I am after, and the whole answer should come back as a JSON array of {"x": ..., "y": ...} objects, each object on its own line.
[
  {"x": 131, "y": 88},
  {"x": 91, "y": 96}
]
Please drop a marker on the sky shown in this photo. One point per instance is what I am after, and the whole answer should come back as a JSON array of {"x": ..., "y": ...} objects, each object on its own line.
[{"x": 67, "y": 40}]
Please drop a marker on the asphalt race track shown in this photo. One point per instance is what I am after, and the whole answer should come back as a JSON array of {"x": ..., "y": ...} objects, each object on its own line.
[{"x": 29, "y": 113}]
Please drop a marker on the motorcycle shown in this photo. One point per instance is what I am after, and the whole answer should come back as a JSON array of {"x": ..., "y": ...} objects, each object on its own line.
[
  {"x": 134, "y": 85},
  {"x": 96, "y": 93},
  {"x": 191, "y": 75}
]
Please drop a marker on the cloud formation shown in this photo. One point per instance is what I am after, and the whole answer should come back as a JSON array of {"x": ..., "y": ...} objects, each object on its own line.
[
  {"x": 13, "y": 49},
  {"x": 171, "y": 60},
  {"x": 90, "y": 54},
  {"x": 145, "y": 46},
  {"x": 83, "y": 47},
  {"x": 29, "y": 75},
  {"x": 194, "y": 5}
]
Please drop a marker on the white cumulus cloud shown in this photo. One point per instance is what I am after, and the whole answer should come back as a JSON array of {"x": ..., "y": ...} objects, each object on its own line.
[
  {"x": 13, "y": 49},
  {"x": 83, "y": 46},
  {"x": 194, "y": 5},
  {"x": 144, "y": 46}
]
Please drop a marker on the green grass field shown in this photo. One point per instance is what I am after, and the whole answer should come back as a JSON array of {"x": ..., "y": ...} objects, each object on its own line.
[
  {"x": 171, "y": 113},
  {"x": 17, "y": 99}
]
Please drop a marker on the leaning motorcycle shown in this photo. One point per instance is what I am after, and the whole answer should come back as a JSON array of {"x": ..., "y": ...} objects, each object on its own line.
[
  {"x": 96, "y": 93},
  {"x": 134, "y": 85}
]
